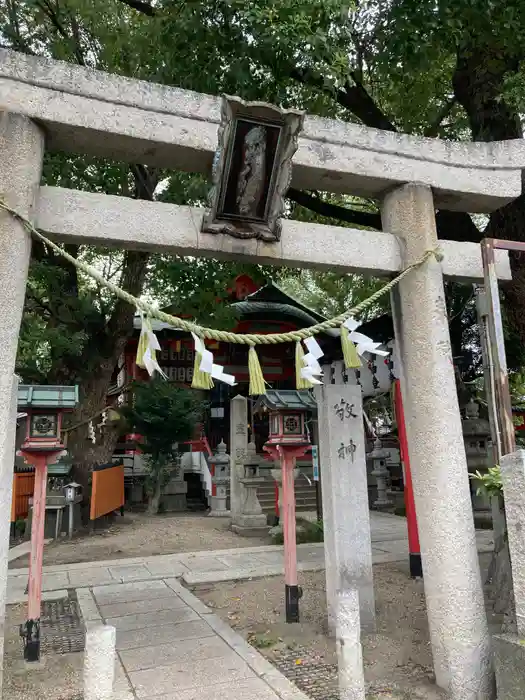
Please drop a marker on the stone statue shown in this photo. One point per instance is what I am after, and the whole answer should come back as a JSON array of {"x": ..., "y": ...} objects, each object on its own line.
[{"x": 250, "y": 187}]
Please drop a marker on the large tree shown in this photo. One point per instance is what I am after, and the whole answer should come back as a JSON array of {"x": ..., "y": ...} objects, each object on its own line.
[{"x": 449, "y": 70}]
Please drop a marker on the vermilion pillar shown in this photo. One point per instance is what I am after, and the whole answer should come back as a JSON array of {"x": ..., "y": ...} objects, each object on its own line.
[
  {"x": 287, "y": 456},
  {"x": 416, "y": 570},
  {"x": 290, "y": 543},
  {"x": 30, "y": 630}
]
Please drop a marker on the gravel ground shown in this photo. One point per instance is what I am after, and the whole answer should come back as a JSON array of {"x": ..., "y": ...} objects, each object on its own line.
[
  {"x": 57, "y": 677},
  {"x": 397, "y": 659},
  {"x": 142, "y": 535}
]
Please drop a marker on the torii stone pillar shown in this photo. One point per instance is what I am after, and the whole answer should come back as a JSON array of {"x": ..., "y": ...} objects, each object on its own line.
[
  {"x": 21, "y": 153},
  {"x": 453, "y": 590}
]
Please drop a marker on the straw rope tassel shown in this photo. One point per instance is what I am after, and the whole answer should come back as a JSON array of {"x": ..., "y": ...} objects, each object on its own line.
[
  {"x": 300, "y": 382},
  {"x": 257, "y": 383},
  {"x": 201, "y": 380},
  {"x": 141, "y": 349},
  {"x": 352, "y": 359}
]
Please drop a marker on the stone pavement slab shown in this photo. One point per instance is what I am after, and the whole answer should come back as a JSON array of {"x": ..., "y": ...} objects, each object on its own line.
[
  {"x": 182, "y": 676},
  {"x": 50, "y": 582},
  {"x": 165, "y": 634},
  {"x": 204, "y": 562},
  {"x": 252, "y": 689},
  {"x": 130, "y": 572},
  {"x": 152, "y": 619},
  {"x": 165, "y": 566},
  {"x": 140, "y": 606},
  {"x": 131, "y": 592},
  {"x": 96, "y": 576},
  {"x": 233, "y": 561},
  {"x": 189, "y": 651},
  {"x": 193, "y": 578},
  {"x": 88, "y": 606}
]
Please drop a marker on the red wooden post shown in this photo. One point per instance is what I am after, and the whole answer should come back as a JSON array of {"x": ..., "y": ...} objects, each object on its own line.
[
  {"x": 37, "y": 539},
  {"x": 290, "y": 545},
  {"x": 30, "y": 630},
  {"x": 288, "y": 440},
  {"x": 287, "y": 455},
  {"x": 416, "y": 569}
]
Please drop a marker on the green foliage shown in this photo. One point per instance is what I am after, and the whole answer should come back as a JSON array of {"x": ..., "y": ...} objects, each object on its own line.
[
  {"x": 199, "y": 287},
  {"x": 262, "y": 641},
  {"x": 490, "y": 484},
  {"x": 20, "y": 527},
  {"x": 517, "y": 387},
  {"x": 331, "y": 293},
  {"x": 386, "y": 64},
  {"x": 164, "y": 414},
  {"x": 306, "y": 531}
]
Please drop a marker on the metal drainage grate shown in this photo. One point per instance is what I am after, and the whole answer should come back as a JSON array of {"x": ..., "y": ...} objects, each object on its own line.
[
  {"x": 62, "y": 629},
  {"x": 317, "y": 680}
]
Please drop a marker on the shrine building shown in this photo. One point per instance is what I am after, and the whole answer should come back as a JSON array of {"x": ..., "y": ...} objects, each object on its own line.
[{"x": 258, "y": 309}]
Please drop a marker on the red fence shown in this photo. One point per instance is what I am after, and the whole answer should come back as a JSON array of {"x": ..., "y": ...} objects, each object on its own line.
[
  {"x": 107, "y": 491},
  {"x": 23, "y": 485}
]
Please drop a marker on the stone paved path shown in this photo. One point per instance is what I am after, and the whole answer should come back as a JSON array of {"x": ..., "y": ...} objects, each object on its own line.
[
  {"x": 170, "y": 645},
  {"x": 389, "y": 543}
]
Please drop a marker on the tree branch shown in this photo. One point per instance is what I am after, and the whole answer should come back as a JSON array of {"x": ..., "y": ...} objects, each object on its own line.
[
  {"x": 144, "y": 7},
  {"x": 432, "y": 129},
  {"x": 334, "y": 211},
  {"x": 53, "y": 15},
  {"x": 451, "y": 225},
  {"x": 13, "y": 31},
  {"x": 354, "y": 97}
]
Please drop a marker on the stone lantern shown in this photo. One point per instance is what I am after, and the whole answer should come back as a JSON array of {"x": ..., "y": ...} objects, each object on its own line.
[
  {"x": 251, "y": 522},
  {"x": 379, "y": 455},
  {"x": 476, "y": 436},
  {"x": 221, "y": 479},
  {"x": 252, "y": 461}
]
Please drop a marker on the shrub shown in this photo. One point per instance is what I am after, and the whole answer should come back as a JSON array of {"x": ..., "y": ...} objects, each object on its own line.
[{"x": 305, "y": 531}]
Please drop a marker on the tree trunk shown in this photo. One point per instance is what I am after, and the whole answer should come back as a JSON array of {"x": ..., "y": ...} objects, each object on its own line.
[
  {"x": 478, "y": 86},
  {"x": 155, "y": 496},
  {"x": 94, "y": 390},
  {"x": 107, "y": 347}
]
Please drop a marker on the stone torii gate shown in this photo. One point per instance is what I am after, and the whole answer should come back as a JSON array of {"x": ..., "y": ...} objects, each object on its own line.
[{"x": 59, "y": 106}]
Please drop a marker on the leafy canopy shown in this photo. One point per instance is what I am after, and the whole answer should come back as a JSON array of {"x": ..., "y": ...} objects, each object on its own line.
[{"x": 164, "y": 414}]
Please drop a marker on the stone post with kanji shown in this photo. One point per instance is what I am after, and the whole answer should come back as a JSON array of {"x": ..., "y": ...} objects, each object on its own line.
[
  {"x": 347, "y": 542},
  {"x": 238, "y": 452}
]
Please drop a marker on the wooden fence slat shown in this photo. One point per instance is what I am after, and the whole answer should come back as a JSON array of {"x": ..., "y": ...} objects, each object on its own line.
[
  {"x": 107, "y": 491},
  {"x": 23, "y": 486}
]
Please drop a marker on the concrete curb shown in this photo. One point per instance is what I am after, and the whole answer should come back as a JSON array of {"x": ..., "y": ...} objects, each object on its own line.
[{"x": 21, "y": 550}]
